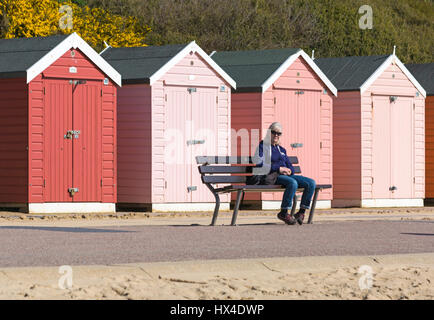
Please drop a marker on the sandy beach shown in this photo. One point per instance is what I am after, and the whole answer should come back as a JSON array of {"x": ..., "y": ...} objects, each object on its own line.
[
  {"x": 406, "y": 276},
  {"x": 393, "y": 277}
]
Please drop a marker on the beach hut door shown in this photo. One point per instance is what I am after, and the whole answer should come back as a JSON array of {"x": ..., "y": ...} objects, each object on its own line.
[
  {"x": 190, "y": 130},
  {"x": 392, "y": 147},
  {"x": 72, "y": 141},
  {"x": 299, "y": 112}
]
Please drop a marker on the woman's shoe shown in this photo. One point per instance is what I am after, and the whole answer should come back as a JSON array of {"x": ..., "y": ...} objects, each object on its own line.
[
  {"x": 287, "y": 218},
  {"x": 299, "y": 217}
]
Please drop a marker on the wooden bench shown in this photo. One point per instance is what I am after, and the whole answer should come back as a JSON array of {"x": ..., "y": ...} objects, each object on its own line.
[{"x": 232, "y": 173}]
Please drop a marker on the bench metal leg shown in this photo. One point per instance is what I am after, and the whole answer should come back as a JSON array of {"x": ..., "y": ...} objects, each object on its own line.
[
  {"x": 312, "y": 209},
  {"x": 237, "y": 205},
  {"x": 217, "y": 204},
  {"x": 216, "y": 209},
  {"x": 294, "y": 205},
  {"x": 242, "y": 199}
]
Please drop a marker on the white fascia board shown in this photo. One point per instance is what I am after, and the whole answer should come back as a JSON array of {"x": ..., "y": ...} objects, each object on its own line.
[
  {"x": 410, "y": 77},
  {"x": 319, "y": 73},
  {"x": 216, "y": 67},
  {"x": 76, "y": 42},
  {"x": 376, "y": 74},
  {"x": 192, "y": 46},
  {"x": 383, "y": 67},
  {"x": 276, "y": 74}
]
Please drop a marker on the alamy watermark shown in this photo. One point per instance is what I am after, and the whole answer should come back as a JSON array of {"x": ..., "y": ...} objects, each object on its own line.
[
  {"x": 366, "y": 20},
  {"x": 367, "y": 279},
  {"x": 65, "y": 281},
  {"x": 179, "y": 145},
  {"x": 66, "y": 21}
]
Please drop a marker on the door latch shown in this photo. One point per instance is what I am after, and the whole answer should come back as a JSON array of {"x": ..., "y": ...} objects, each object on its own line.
[
  {"x": 296, "y": 145},
  {"x": 393, "y": 188},
  {"x": 76, "y": 133},
  {"x": 189, "y": 142},
  {"x": 72, "y": 134},
  {"x": 190, "y": 90},
  {"x": 72, "y": 191},
  {"x": 75, "y": 82},
  {"x": 191, "y": 188}
]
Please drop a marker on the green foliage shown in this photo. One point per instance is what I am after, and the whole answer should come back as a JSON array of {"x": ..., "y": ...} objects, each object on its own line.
[
  {"x": 330, "y": 27},
  {"x": 407, "y": 24}
]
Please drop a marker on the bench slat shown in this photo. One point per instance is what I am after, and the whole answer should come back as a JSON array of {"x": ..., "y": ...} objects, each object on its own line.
[
  {"x": 224, "y": 179},
  {"x": 223, "y": 160},
  {"x": 232, "y": 159},
  {"x": 297, "y": 169},
  {"x": 223, "y": 169},
  {"x": 263, "y": 187},
  {"x": 233, "y": 169}
]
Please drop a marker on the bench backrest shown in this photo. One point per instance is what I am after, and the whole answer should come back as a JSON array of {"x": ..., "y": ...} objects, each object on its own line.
[{"x": 213, "y": 168}]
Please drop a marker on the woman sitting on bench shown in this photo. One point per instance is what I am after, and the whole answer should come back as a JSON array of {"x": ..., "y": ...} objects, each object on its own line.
[{"x": 279, "y": 171}]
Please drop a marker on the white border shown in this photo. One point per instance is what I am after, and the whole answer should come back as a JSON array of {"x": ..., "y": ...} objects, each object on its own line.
[
  {"x": 188, "y": 207},
  {"x": 377, "y": 203},
  {"x": 381, "y": 203},
  {"x": 72, "y": 207},
  {"x": 384, "y": 66},
  {"x": 192, "y": 46},
  {"x": 275, "y": 205},
  {"x": 276, "y": 74},
  {"x": 73, "y": 41}
]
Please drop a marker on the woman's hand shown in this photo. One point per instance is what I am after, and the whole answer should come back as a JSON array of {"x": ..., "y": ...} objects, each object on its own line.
[{"x": 285, "y": 171}]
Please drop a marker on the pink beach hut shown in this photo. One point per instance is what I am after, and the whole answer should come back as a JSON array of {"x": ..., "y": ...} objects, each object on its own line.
[
  {"x": 378, "y": 132},
  {"x": 174, "y": 105},
  {"x": 282, "y": 85}
]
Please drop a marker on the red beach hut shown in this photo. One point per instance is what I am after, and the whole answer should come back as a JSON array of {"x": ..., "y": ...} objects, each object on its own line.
[
  {"x": 282, "y": 85},
  {"x": 58, "y": 114},
  {"x": 424, "y": 73}
]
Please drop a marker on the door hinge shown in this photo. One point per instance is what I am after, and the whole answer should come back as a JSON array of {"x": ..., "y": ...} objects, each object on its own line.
[
  {"x": 101, "y": 182},
  {"x": 414, "y": 179},
  {"x": 101, "y": 92},
  {"x": 217, "y": 99},
  {"x": 165, "y": 97},
  {"x": 44, "y": 182},
  {"x": 320, "y": 145},
  {"x": 165, "y": 184},
  {"x": 274, "y": 100},
  {"x": 44, "y": 91},
  {"x": 191, "y": 188},
  {"x": 320, "y": 102},
  {"x": 372, "y": 180}
]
